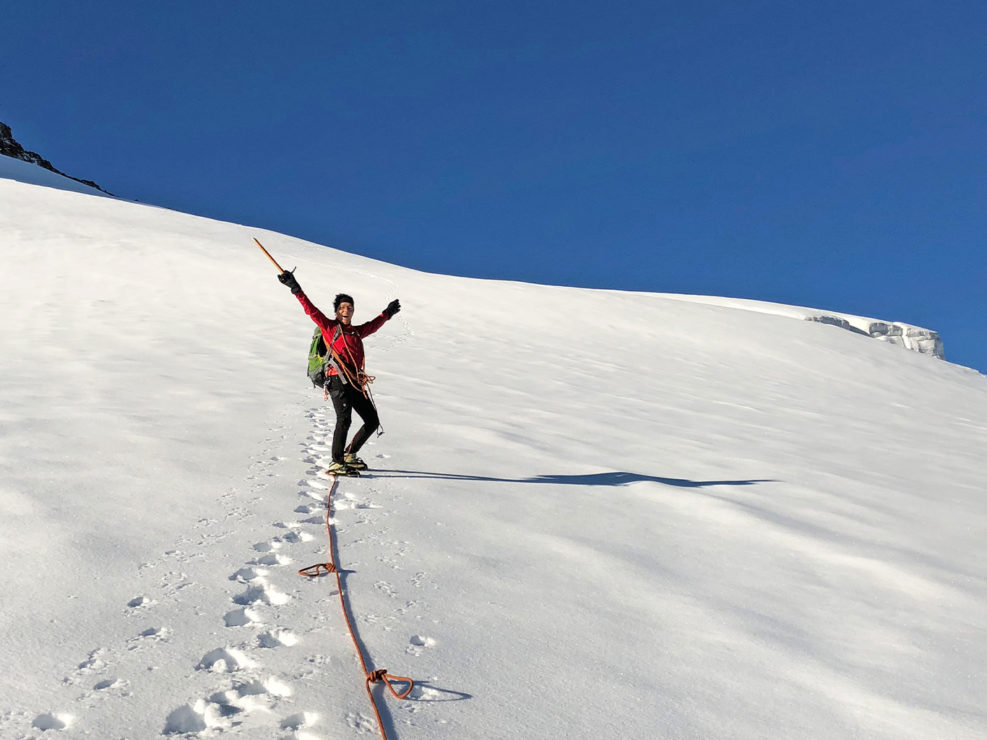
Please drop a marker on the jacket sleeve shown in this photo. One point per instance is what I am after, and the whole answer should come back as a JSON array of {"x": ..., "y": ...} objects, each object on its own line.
[
  {"x": 320, "y": 319},
  {"x": 365, "y": 330}
]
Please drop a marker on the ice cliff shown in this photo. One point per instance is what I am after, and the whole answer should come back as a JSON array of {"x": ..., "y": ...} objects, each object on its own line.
[{"x": 915, "y": 338}]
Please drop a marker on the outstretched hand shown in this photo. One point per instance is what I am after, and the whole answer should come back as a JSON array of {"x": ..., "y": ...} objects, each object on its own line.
[
  {"x": 392, "y": 308},
  {"x": 288, "y": 278}
]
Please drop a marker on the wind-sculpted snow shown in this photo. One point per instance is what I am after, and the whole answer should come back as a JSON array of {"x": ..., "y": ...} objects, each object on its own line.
[
  {"x": 915, "y": 338},
  {"x": 593, "y": 514}
]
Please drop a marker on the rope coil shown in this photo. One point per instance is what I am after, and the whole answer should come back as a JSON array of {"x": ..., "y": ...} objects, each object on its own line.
[{"x": 372, "y": 677}]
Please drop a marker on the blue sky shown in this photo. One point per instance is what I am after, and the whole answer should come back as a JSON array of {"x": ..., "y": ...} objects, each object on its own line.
[{"x": 831, "y": 154}]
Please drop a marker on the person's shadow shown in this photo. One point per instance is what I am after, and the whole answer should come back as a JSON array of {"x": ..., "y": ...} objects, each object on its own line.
[
  {"x": 590, "y": 479},
  {"x": 423, "y": 690}
]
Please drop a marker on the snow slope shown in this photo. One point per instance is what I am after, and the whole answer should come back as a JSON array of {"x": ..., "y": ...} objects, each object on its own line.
[
  {"x": 32, "y": 174},
  {"x": 593, "y": 514}
]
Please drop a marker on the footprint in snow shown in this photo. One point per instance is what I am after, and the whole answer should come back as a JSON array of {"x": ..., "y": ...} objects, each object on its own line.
[
  {"x": 272, "y": 558},
  {"x": 195, "y": 718},
  {"x": 139, "y": 602},
  {"x": 241, "y": 617},
  {"x": 277, "y": 638},
  {"x": 214, "y": 713},
  {"x": 152, "y": 634},
  {"x": 418, "y": 644},
  {"x": 261, "y": 593},
  {"x": 109, "y": 684},
  {"x": 252, "y": 694},
  {"x": 247, "y": 574},
  {"x": 52, "y": 721},
  {"x": 225, "y": 660},
  {"x": 269, "y": 546},
  {"x": 299, "y": 721},
  {"x": 295, "y": 537},
  {"x": 94, "y": 663}
]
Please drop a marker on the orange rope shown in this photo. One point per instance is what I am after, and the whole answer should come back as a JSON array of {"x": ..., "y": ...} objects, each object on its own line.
[
  {"x": 372, "y": 677},
  {"x": 358, "y": 378}
]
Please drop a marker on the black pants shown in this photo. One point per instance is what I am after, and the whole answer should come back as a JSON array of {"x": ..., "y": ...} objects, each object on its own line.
[{"x": 346, "y": 399}]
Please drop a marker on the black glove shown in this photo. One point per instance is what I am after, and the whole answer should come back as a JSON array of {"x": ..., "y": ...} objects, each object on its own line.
[
  {"x": 288, "y": 278},
  {"x": 392, "y": 308}
]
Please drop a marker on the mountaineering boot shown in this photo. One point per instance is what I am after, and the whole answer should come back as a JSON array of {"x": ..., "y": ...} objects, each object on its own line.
[
  {"x": 341, "y": 469},
  {"x": 352, "y": 461}
]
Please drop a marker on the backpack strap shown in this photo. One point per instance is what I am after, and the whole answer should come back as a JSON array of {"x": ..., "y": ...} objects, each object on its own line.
[{"x": 331, "y": 356}]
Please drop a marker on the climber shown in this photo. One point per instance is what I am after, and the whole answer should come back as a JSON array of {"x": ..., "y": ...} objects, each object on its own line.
[{"x": 346, "y": 380}]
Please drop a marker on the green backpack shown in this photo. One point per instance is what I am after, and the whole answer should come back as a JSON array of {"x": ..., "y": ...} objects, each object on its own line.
[
  {"x": 317, "y": 355},
  {"x": 320, "y": 360}
]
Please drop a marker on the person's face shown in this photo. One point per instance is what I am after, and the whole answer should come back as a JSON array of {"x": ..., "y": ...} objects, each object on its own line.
[{"x": 345, "y": 312}]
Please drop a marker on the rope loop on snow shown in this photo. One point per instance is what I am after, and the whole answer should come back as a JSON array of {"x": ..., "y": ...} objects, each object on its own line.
[
  {"x": 314, "y": 571},
  {"x": 371, "y": 677},
  {"x": 382, "y": 675}
]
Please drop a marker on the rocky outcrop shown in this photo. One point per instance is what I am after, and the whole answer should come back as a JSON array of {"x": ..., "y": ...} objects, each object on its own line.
[{"x": 11, "y": 148}]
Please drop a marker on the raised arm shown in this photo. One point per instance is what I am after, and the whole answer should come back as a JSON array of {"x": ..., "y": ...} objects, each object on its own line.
[
  {"x": 320, "y": 319},
  {"x": 374, "y": 324}
]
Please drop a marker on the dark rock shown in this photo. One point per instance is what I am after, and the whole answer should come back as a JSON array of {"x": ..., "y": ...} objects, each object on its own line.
[{"x": 11, "y": 148}]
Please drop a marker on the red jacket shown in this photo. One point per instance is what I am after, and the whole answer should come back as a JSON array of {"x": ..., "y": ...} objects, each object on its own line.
[{"x": 349, "y": 344}]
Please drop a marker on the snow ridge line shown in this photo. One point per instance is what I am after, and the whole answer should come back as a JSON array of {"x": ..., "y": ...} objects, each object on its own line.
[{"x": 371, "y": 677}]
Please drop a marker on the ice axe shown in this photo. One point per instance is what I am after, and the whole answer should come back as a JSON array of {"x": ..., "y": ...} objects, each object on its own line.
[{"x": 274, "y": 261}]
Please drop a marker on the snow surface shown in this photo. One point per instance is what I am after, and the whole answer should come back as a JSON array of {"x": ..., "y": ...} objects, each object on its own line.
[
  {"x": 908, "y": 336},
  {"x": 32, "y": 174},
  {"x": 593, "y": 514}
]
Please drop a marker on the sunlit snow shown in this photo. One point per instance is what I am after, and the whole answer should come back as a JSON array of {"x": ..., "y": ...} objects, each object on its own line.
[{"x": 593, "y": 514}]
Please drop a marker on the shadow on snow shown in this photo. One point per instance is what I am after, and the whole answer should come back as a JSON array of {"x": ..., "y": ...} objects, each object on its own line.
[{"x": 591, "y": 479}]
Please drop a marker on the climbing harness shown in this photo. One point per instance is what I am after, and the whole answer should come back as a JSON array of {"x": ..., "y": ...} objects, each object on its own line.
[{"x": 375, "y": 676}]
